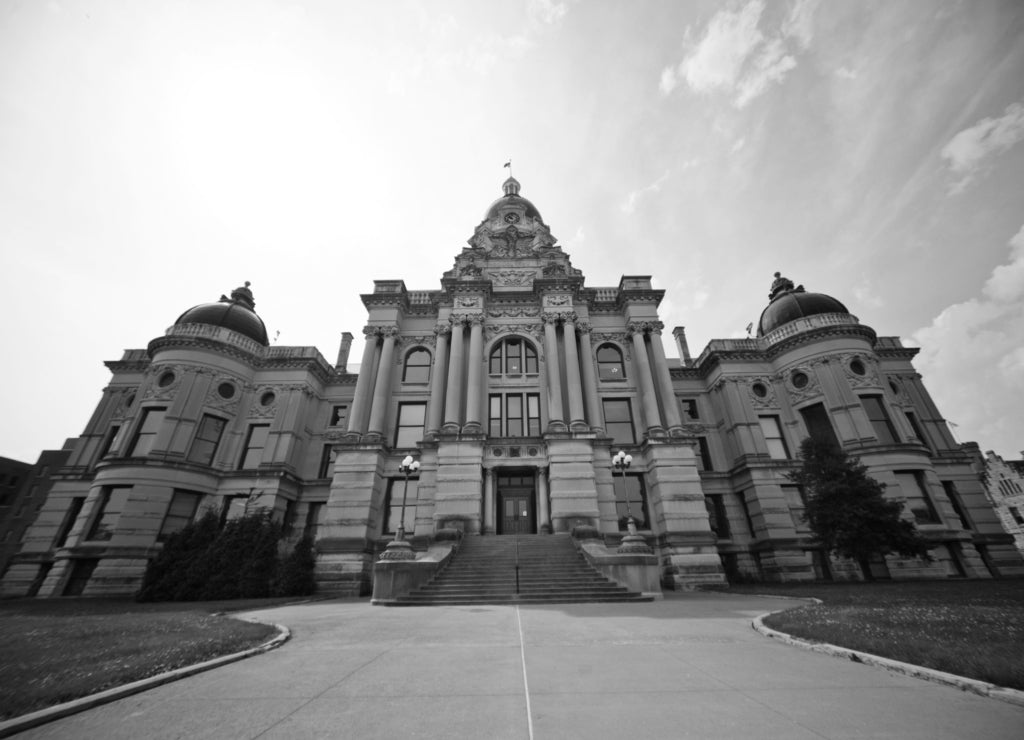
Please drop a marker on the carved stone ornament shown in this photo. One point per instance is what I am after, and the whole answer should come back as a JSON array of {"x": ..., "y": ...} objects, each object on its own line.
[
  {"x": 467, "y": 301},
  {"x": 644, "y": 327},
  {"x": 512, "y": 277},
  {"x": 616, "y": 337},
  {"x": 442, "y": 329},
  {"x": 801, "y": 393},
  {"x": 513, "y": 312},
  {"x": 258, "y": 410},
  {"x": 153, "y": 390},
  {"x": 766, "y": 401},
  {"x": 557, "y": 300},
  {"x": 493, "y": 330},
  {"x": 559, "y": 317},
  {"x": 850, "y": 363},
  {"x": 216, "y": 400}
]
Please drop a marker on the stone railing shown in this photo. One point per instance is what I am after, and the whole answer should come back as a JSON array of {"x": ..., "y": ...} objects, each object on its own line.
[
  {"x": 219, "y": 334},
  {"x": 808, "y": 322}
]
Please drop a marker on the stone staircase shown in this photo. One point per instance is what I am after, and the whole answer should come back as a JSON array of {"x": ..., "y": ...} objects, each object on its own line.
[{"x": 551, "y": 571}]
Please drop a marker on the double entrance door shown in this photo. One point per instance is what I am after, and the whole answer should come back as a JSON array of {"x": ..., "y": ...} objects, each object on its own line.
[{"x": 516, "y": 497}]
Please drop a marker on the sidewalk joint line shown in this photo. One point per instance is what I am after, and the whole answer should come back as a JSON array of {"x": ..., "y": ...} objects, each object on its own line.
[{"x": 526, "y": 683}]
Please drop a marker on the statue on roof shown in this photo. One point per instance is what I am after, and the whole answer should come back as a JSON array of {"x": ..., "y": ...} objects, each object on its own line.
[{"x": 780, "y": 285}]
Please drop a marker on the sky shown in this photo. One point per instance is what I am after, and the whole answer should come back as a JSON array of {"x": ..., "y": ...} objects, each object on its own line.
[{"x": 154, "y": 155}]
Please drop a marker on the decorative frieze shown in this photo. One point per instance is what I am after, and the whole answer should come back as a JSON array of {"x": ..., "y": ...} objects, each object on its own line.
[{"x": 515, "y": 278}]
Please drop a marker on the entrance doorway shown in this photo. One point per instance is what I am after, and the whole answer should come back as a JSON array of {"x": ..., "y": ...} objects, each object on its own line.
[{"x": 516, "y": 497}]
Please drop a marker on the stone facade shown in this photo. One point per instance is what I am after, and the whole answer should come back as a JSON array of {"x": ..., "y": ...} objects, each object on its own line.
[
  {"x": 513, "y": 385},
  {"x": 1004, "y": 484}
]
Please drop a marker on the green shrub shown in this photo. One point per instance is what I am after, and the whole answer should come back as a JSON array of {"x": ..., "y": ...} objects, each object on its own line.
[{"x": 295, "y": 577}]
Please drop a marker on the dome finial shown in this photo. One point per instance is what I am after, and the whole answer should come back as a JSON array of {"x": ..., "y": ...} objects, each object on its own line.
[
  {"x": 244, "y": 296},
  {"x": 780, "y": 285},
  {"x": 511, "y": 186}
]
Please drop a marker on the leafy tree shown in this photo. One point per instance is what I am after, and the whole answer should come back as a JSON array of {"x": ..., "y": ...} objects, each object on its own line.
[{"x": 847, "y": 509}]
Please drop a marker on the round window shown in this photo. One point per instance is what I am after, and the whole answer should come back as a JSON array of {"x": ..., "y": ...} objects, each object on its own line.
[
  {"x": 800, "y": 380},
  {"x": 760, "y": 390},
  {"x": 267, "y": 398},
  {"x": 857, "y": 367},
  {"x": 166, "y": 379},
  {"x": 226, "y": 390}
]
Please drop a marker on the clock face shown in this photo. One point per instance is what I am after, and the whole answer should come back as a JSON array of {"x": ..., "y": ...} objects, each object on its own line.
[{"x": 512, "y": 218}]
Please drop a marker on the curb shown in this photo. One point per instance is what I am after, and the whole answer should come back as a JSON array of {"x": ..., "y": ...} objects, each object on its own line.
[
  {"x": 34, "y": 719},
  {"x": 981, "y": 688}
]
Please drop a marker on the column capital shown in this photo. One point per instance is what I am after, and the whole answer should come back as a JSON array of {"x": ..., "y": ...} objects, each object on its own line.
[
  {"x": 644, "y": 327},
  {"x": 442, "y": 329},
  {"x": 556, "y": 317},
  {"x": 583, "y": 327},
  {"x": 381, "y": 331}
]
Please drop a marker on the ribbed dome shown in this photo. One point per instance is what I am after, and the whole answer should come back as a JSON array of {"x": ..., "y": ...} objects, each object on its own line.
[
  {"x": 235, "y": 313},
  {"x": 789, "y": 304},
  {"x": 512, "y": 200}
]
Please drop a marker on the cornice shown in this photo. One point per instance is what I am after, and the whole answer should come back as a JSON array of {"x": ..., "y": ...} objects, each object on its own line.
[
  {"x": 817, "y": 334},
  {"x": 169, "y": 342}
]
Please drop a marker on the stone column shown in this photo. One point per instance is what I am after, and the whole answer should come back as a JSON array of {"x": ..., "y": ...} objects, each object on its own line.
[
  {"x": 440, "y": 371},
  {"x": 364, "y": 383},
  {"x": 453, "y": 400},
  {"x": 488, "y": 527},
  {"x": 543, "y": 505},
  {"x": 572, "y": 373},
  {"x": 643, "y": 371},
  {"x": 664, "y": 378},
  {"x": 555, "y": 412},
  {"x": 382, "y": 389},
  {"x": 594, "y": 415},
  {"x": 476, "y": 365}
]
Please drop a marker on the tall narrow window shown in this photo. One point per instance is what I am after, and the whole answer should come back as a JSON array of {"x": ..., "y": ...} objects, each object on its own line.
[
  {"x": 179, "y": 513},
  {"x": 609, "y": 363},
  {"x": 533, "y": 414},
  {"x": 918, "y": 431},
  {"x": 704, "y": 451},
  {"x": 618, "y": 420},
  {"x": 954, "y": 499},
  {"x": 773, "y": 437},
  {"x": 70, "y": 517},
  {"x": 108, "y": 440},
  {"x": 514, "y": 414},
  {"x": 393, "y": 510},
  {"x": 417, "y": 367},
  {"x": 919, "y": 501},
  {"x": 204, "y": 446},
  {"x": 717, "y": 517},
  {"x": 409, "y": 429},
  {"x": 254, "y": 446},
  {"x": 152, "y": 419},
  {"x": 633, "y": 487},
  {"x": 883, "y": 427},
  {"x": 819, "y": 428},
  {"x": 108, "y": 511},
  {"x": 326, "y": 469},
  {"x": 797, "y": 503},
  {"x": 314, "y": 518}
]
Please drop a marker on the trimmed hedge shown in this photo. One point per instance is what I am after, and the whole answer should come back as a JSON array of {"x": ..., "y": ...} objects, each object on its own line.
[{"x": 206, "y": 562}]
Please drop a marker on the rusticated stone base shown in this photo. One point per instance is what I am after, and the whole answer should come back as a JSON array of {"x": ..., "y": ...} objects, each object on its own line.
[{"x": 343, "y": 573}]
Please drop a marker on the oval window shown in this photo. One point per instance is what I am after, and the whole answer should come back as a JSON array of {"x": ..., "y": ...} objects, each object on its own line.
[
  {"x": 267, "y": 398},
  {"x": 857, "y": 367},
  {"x": 166, "y": 379},
  {"x": 760, "y": 390},
  {"x": 226, "y": 390},
  {"x": 800, "y": 380}
]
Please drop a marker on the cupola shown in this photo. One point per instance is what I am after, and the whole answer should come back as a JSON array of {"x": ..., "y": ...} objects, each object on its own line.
[{"x": 235, "y": 313}]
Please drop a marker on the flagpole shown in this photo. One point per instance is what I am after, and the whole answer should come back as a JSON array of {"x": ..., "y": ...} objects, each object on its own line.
[{"x": 509, "y": 165}]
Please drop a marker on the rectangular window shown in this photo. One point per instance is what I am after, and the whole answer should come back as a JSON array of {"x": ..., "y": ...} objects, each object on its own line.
[
  {"x": 954, "y": 499},
  {"x": 204, "y": 446},
  {"x": 705, "y": 455},
  {"x": 409, "y": 431},
  {"x": 108, "y": 441},
  {"x": 181, "y": 511},
  {"x": 108, "y": 511},
  {"x": 883, "y": 427},
  {"x": 514, "y": 415},
  {"x": 819, "y": 428},
  {"x": 254, "y": 446},
  {"x": 618, "y": 420},
  {"x": 633, "y": 486},
  {"x": 916, "y": 426},
  {"x": 69, "y": 521},
  {"x": 393, "y": 509},
  {"x": 233, "y": 507},
  {"x": 152, "y": 420},
  {"x": 1017, "y": 516},
  {"x": 772, "y": 431},
  {"x": 690, "y": 408},
  {"x": 915, "y": 489},
  {"x": 314, "y": 518},
  {"x": 717, "y": 517},
  {"x": 797, "y": 502},
  {"x": 339, "y": 416},
  {"x": 326, "y": 469}
]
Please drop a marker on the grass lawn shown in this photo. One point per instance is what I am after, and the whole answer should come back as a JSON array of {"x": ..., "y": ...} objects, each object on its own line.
[
  {"x": 970, "y": 628},
  {"x": 55, "y": 650}
]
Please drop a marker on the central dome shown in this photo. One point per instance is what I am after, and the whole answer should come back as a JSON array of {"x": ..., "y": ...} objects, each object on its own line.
[
  {"x": 512, "y": 201},
  {"x": 235, "y": 313},
  {"x": 789, "y": 303}
]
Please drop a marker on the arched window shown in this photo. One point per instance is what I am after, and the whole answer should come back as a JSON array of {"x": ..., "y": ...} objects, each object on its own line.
[
  {"x": 417, "y": 367},
  {"x": 609, "y": 363},
  {"x": 513, "y": 356}
]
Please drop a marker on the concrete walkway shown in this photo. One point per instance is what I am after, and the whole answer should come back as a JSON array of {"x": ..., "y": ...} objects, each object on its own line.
[{"x": 686, "y": 667}]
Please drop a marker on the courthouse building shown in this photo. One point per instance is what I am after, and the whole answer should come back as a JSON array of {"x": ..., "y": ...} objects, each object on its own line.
[{"x": 513, "y": 385}]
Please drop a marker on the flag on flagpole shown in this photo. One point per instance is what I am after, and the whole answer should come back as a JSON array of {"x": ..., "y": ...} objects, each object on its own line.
[{"x": 508, "y": 164}]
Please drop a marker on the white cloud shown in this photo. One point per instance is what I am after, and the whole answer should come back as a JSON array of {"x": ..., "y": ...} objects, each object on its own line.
[
  {"x": 973, "y": 148},
  {"x": 977, "y": 344},
  {"x": 546, "y": 12},
  {"x": 735, "y": 56},
  {"x": 629, "y": 204}
]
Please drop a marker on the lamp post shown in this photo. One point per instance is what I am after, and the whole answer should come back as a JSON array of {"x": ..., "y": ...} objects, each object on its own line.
[
  {"x": 399, "y": 548},
  {"x": 632, "y": 542}
]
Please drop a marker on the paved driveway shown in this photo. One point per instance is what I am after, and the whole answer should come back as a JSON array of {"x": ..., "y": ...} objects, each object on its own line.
[{"x": 686, "y": 667}]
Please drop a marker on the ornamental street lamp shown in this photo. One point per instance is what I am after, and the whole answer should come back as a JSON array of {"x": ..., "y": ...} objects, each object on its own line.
[
  {"x": 399, "y": 548},
  {"x": 632, "y": 542}
]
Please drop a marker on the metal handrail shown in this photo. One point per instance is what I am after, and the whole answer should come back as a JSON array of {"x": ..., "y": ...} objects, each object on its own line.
[{"x": 517, "y": 559}]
